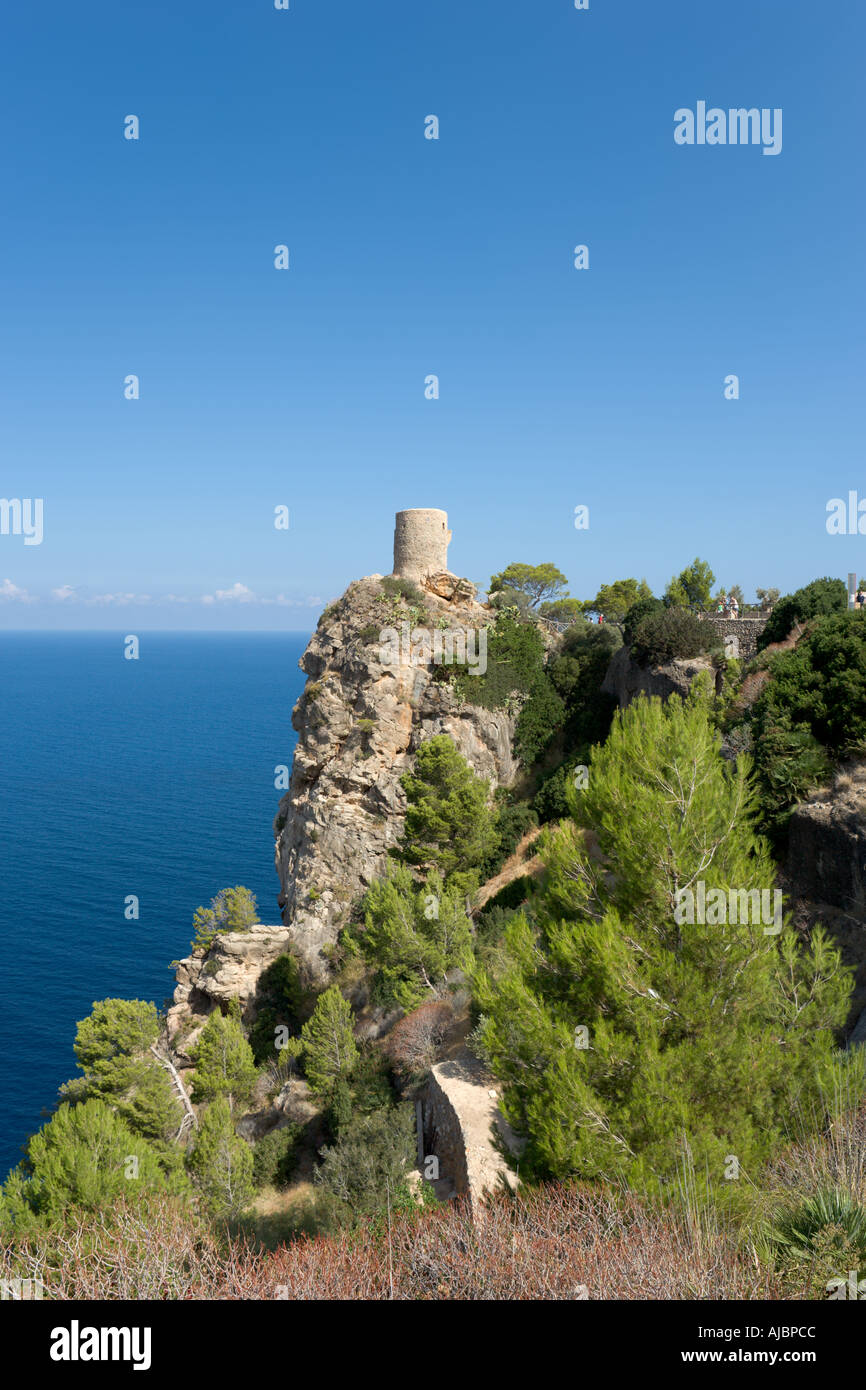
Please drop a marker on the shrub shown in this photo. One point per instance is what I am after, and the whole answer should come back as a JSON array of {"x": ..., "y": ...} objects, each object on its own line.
[
  {"x": 449, "y": 825},
  {"x": 414, "y": 1042},
  {"x": 636, "y": 614},
  {"x": 368, "y": 1166},
  {"x": 275, "y": 1157},
  {"x": 822, "y": 596},
  {"x": 820, "y": 1240},
  {"x": 233, "y": 909},
  {"x": 663, "y": 636},
  {"x": 413, "y": 935},
  {"x": 396, "y": 587}
]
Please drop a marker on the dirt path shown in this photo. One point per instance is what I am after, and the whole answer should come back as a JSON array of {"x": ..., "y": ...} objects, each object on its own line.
[{"x": 514, "y": 867}]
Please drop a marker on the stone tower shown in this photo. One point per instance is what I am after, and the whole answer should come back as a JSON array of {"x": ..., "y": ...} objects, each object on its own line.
[{"x": 421, "y": 539}]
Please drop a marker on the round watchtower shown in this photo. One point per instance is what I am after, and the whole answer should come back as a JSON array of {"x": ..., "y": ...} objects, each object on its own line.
[{"x": 421, "y": 539}]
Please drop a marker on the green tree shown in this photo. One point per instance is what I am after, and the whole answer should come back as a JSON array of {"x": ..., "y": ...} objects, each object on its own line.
[
  {"x": 224, "y": 1063},
  {"x": 692, "y": 587},
  {"x": 85, "y": 1157},
  {"x": 636, "y": 614},
  {"x": 233, "y": 909},
  {"x": 222, "y": 1163},
  {"x": 668, "y": 634},
  {"x": 112, "y": 1046},
  {"x": 368, "y": 1166},
  {"x": 330, "y": 1053},
  {"x": 449, "y": 825},
  {"x": 564, "y": 611},
  {"x": 767, "y": 598},
  {"x": 821, "y": 597},
  {"x": 279, "y": 999},
  {"x": 709, "y": 1035},
  {"x": 614, "y": 600},
  {"x": 529, "y": 586},
  {"x": 414, "y": 934}
]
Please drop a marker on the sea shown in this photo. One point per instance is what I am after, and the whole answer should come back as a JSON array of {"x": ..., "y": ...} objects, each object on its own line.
[{"x": 127, "y": 786}]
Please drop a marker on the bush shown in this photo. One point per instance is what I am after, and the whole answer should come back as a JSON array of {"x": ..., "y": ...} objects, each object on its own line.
[
  {"x": 822, "y": 596},
  {"x": 636, "y": 614},
  {"x": 821, "y": 684},
  {"x": 233, "y": 909},
  {"x": 395, "y": 587},
  {"x": 279, "y": 999},
  {"x": 368, "y": 1166},
  {"x": 449, "y": 825},
  {"x": 515, "y": 664},
  {"x": 820, "y": 1240},
  {"x": 414, "y": 1042},
  {"x": 275, "y": 1157},
  {"x": 663, "y": 636}
]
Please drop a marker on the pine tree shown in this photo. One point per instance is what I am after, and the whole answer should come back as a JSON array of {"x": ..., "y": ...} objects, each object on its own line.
[
  {"x": 221, "y": 1162},
  {"x": 85, "y": 1156},
  {"x": 622, "y": 1033},
  {"x": 449, "y": 824},
  {"x": 330, "y": 1053},
  {"x": 414, "y": 934},
  {"x": 112, "y": 1046},
  {"x": 224, "y": 1064},
  {"x": 233, "y": 909}
]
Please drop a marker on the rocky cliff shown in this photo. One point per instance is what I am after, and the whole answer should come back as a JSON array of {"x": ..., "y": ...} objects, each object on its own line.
[
  {"x": 626, "y": 679},
  {"x": 362, "y": 715},
  {"x": 825, "y": 871}
]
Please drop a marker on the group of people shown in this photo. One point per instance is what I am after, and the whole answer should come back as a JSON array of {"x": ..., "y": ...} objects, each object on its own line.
[{"x": 728, "y": 606}]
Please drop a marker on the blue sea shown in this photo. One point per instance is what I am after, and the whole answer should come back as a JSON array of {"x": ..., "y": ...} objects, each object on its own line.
[{"x": 152, "y": 777}]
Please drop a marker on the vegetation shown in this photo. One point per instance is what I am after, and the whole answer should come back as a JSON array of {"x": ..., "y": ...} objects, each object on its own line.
[
  {"x": 279, "y": 1001},
  {"x": 692, "y": 587},
  {"x": 449, "y": 825},
  {"x": 822, "y": 596},
  {"x": 528, "y": 587},
  {"x": 615, "y": 600},
  {"x": 663, "y": 636},
  {"x": 233, "y": 909},
  {"x": 414, "y": 935},
  {"x": 221, "y": 1163},
  {"x": 329, "y": 1049},
  {"x": 224, "y": 1065},
  {"x": 710, "y": 1031},
  {"x": 367, "y": 1168}
]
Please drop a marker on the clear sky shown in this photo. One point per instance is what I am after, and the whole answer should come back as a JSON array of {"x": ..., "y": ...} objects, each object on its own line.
[{"x": 410, "y": 257}]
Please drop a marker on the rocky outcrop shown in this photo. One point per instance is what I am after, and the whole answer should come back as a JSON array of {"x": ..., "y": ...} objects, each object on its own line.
[
  {"x": 625, "y": 679},
  {"x": 825, "y": 871},
  {"x": 360, "y": 720},
  {"x": 229, "y": 970}
]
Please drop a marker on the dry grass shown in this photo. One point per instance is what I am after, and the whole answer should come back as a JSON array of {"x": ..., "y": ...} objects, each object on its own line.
[{"x": 553, "y": 1243}]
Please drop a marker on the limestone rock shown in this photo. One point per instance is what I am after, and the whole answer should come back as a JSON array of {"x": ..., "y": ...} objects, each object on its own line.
[
  {"x": 450, "y": 587},
  {"x": 359, "y": 724},
  {"x": 626, "y": 679},
  {"x": 230, "y": 969}
]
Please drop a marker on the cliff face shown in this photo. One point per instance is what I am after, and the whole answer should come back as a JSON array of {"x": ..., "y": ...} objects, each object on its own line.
[
  {"x": 359, "y": 722},
  {"x": 230, "y": 969},
  {"x": 625, "y": 679},
  {"x": 825, "y": 871}
]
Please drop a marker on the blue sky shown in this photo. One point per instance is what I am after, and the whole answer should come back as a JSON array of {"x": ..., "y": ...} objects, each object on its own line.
[{"x": 305, "y": 387}]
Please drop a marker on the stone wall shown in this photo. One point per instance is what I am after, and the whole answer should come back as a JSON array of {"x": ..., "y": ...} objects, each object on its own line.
[
  {"x": 461, "y": 1119},
  {"x": 746, "y": 630}
]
